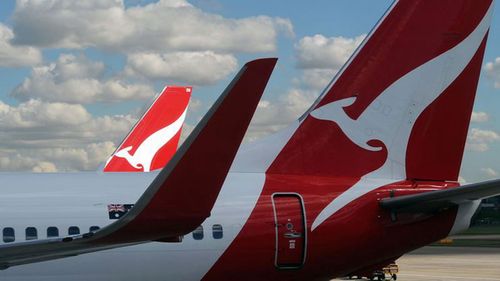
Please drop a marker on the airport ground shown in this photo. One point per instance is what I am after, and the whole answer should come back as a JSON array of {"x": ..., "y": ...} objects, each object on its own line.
[
  {"x": 451, "y": 264},
  {"x": 444, "y": 263},
  {"x": 473, "y": 255}
]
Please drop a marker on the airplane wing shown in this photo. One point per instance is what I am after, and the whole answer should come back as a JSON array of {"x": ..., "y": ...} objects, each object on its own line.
[
  {"x": 184, "y": 192},
  {"x": 442, "y": 199},
  {"x": 153, "y": 141}
]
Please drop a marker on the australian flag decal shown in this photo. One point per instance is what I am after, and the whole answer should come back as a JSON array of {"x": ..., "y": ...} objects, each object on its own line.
[{"x": 117, "y": 211}]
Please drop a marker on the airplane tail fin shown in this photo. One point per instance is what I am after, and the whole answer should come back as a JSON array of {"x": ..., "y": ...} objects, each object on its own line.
[
  {"x": 154, "y": 139},
  {"x": 400, "y": 108}
]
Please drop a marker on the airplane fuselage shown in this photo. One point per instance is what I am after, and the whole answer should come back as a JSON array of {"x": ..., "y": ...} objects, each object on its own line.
[
  {"x": 302, "y": 204},
  {"x": 240, "y": 240}
]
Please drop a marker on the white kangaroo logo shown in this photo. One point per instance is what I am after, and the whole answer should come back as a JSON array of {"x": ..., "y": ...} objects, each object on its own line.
[
  {"x": 391, "y": 116},
  {"x": 143, "y": 156}
]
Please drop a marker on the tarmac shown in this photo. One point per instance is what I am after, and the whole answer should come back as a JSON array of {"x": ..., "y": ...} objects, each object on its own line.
[
  {"x": 441, "y": 263},
  {"x": 451, "y": 264}
]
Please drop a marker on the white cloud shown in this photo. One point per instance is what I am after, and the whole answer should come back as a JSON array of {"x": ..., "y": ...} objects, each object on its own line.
[
  {"x": 493, "y": 71},
  {"x": 166, "y": 25},
  {"x": 16, "y": 56},
  {"x": 196, "y": 68},
  {"x": 76, "y": 79},
  {"x": 489, "y": 172},
  {"x": 35, "y": 114},
  {"x": 478, "y": 147},
  {"x": 483, "y": 135},
  {"x": 44, "y": 167},
  {"x": 51, "y": 130},
  {"x": 195, "y": 105},
  {"x": 479, "y": 140},
  {"x": 40, "y": 136},
  {"x": 272, "y": 116},
  {"x": 321, "y": 52},
  {"x": 87, "y": 157},
  {"x": 480, "y": 117},
  {"x": 317, "y": 79},
  {"x": 14, "y": 161},
  {"x": 320, "y": 58},
  {"x": 36, "y": 124},
  {"x": 69, "y": 66}
]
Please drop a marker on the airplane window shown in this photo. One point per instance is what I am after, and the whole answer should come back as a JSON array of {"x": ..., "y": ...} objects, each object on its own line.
[
  {"x": 52, "y": 232},
  {"x": 94, "y": 228},
  {"x": 31, "y": 233},
  {"x": 73, "y": 230},
  {"x": 217, "y": 231},
  {"x": 8, "y": 235},
  {"x": 198, "y": 233}
]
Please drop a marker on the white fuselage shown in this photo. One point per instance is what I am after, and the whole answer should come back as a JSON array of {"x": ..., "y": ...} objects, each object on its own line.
[{"x": 65, "y": 200}]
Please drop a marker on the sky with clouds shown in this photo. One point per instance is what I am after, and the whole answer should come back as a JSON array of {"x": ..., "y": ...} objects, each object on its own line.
[{"x": 76, "y": 75}]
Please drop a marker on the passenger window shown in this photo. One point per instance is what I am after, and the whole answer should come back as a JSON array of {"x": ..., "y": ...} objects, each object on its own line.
[
  {"x": 94, "y": 228},
  {"x": 31, "y": 233},
  {"x": 217, "y": 231},
  {"x": 198, "y": 233},
  {"x": 8, "y": 235},
  {"x": 52, "y": 232},
  {"x": 73, "y": 230}
]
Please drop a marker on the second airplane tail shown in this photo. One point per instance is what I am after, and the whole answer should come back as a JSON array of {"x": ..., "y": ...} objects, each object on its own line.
[{"x": 154, "y": 139}]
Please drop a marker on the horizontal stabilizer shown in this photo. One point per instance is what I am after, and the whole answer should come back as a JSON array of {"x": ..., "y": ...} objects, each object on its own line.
[{"x": 441, "y": 199}]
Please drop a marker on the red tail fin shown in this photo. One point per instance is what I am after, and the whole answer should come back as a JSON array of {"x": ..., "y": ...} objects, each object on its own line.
[
  {"x": 154, "y": 139},
  {"x": 401, "y": 106}
]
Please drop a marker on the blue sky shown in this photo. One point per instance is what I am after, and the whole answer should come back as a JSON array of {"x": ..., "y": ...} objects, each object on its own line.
[{"x": 76, "y": 138}]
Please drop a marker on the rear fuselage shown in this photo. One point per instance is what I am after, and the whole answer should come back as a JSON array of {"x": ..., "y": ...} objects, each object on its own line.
[{"x": 240, "y": 240}]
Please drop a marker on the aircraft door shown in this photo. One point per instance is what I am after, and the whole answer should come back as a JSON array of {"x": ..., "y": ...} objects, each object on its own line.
[{"x": 290, "y": 231}]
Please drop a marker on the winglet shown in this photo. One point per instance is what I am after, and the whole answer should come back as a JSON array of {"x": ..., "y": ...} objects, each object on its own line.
[{"x": 183, "y": 194}]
